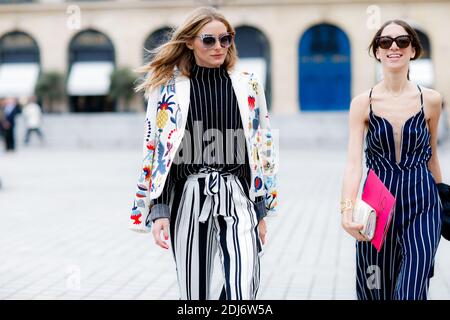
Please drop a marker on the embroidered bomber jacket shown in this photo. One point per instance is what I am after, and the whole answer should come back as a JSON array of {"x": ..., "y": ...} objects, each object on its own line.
[{"x": 165, "y": 123}]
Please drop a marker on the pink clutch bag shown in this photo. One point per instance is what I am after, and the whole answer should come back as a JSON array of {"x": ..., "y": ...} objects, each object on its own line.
[{"x": 379, "y": 198}]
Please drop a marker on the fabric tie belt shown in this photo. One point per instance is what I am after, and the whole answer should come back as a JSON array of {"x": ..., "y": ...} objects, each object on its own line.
[{"x": 217, "y": 190}]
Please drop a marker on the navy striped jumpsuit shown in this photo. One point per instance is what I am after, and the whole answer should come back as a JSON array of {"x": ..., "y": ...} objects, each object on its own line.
[{"x": 405, "y": 264}]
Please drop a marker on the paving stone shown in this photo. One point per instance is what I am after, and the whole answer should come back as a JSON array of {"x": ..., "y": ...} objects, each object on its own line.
[{"x": 64, "y": 225}]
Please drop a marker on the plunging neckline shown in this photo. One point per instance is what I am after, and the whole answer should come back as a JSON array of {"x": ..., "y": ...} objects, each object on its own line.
[
  {"x": 398, "y": 163},
  {"x": 421, "y": 111}
]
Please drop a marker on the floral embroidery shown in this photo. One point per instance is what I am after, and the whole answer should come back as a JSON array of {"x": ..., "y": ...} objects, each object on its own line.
[
  {"x": 261, "y": 148},
  {"x": 255, "y": 121},
  {"x": 254, "y": 85},
  {"x": 251, "y": 102},
  {"x": 137, "y": 218},
  {"x": 258, "y": 183},
  {"x": 140, "y": 203},
  {"x": 146, "y": 171},
  {"x": 151, "y": 145},
  {"x": 161, "y": 166},
  {"x": 169, "y": 147},
  {"x": 271, "y": 200},
  {"x": 135, "y": 214}
]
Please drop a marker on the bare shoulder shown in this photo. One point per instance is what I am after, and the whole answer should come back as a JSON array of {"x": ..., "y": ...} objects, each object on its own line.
[
  {"x": 432, "y": 99},
  {"x": 361, "y": 99},
  {"x": 360, "y": 105}
]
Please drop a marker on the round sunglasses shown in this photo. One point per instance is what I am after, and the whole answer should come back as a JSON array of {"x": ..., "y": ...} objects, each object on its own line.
[
  {"x": 209, "y": 41},
  {"x": 385, "y": 42}
]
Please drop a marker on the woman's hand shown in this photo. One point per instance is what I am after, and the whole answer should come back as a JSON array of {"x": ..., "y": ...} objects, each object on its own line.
[
  {"x": 161, "y": 224},
  {"x": 262, "y": 230},
  {"x": 351, "y": 227}
]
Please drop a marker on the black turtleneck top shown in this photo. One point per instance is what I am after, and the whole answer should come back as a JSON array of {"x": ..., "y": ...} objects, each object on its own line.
[{"x": 214, "y": 134}]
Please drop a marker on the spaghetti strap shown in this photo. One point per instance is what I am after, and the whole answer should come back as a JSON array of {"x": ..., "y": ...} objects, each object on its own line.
[
  {"x": 421, "y": 96},
  {"x": 370, "y": 99}
]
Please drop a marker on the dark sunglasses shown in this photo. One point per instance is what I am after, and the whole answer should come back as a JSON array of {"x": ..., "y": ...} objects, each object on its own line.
[
  {"x": 209, "y": 41},
  {"x": 385, "y": 42}
]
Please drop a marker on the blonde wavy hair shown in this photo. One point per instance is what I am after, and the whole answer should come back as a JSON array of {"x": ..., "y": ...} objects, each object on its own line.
[{"x": 175, "y": 52}]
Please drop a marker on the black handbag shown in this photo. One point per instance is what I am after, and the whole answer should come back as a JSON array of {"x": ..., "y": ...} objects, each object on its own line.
[{"x": 444, "y": 194}]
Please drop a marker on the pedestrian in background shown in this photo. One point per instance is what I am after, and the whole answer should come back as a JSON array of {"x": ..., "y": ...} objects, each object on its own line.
[
  {"x": 33, "y": 119},
  {"x": 216, "y": 198},
  {"x": 10, "y": 111},
  {"x": 400, "y": 122}
]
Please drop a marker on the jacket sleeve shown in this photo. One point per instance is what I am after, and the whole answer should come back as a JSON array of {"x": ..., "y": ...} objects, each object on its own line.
[
  {"x": 267, "y": 152},
  {"x": 161, "y": 205},
  {"x": 140, "y": 213}
]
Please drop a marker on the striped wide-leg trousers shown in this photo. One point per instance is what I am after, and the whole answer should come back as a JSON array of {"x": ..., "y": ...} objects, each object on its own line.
[{"x": 214, "y": 214}]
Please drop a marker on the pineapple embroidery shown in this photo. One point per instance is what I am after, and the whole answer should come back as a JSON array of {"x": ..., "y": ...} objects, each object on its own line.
[{"x": 164, "y": 108}]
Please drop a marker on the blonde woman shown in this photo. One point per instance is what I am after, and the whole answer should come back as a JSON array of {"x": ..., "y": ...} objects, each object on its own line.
[
  {"x": 399, "y": 120},
  {"x": 208, "y": 177}
]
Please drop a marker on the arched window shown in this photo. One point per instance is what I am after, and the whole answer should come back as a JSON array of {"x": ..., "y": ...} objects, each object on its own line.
[
  {"x": 154, "y": 40},
  {"x": 19, "y": 64},
  {"x": 91, "y": 61}
]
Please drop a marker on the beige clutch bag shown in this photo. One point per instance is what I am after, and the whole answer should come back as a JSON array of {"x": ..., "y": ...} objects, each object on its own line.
[{"x": 365, "y": 215}]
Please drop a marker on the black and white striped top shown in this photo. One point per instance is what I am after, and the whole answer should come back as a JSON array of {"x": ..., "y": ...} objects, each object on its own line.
[{"x": 214, "y": 135}]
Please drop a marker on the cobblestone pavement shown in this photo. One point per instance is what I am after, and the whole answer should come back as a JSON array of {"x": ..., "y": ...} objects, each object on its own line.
[{"x": 63, "y": 226}]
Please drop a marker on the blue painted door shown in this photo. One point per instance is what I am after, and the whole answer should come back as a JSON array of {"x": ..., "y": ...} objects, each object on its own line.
[{"x": 324, "y": 69}]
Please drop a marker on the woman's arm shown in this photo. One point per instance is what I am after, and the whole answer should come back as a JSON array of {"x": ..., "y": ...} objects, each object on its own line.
[
  {"x": 267, "y": 150},
  {"x": 160, "y": 208},
  {"x": 141, "y": 205},
  {"x": 353, "y": 168},
  {"x": 433, "y": 101}
]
